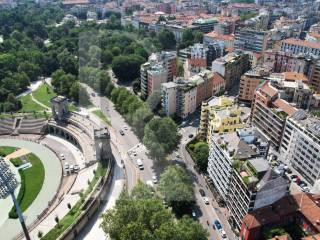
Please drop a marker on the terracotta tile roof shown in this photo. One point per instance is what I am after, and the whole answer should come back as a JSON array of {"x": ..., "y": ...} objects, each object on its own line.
[
  {"x": 314, "y": 35},
  {"x": 313, "y": 237},
  {"x": 303, "y": 203},
  {"x": 294, "y": 76},
  {"x": 294, "y": 41},
  {"x": 269, "y": 90},
  {"x": 285, "y": 106},
  {"x": 220, "y": 36}
]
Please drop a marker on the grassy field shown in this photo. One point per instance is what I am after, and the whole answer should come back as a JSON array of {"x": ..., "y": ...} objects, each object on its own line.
[
  {"x": 28, "y": 105},
  {"x": 16, "y": 161},
  {"x": 102, "y": 116},
  {"x": 31, "y": 184},
  {"x": 43, "y": 94},
  {"x": 4, "y": 151}
]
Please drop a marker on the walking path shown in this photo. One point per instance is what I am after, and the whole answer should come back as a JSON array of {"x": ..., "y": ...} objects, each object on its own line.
[
  {"x": 19, "y": 153},
  {"x": 39, "y": 103}
]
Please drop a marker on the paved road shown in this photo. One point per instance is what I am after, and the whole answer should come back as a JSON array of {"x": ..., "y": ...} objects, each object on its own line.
[{"x": 130, "y": 142}]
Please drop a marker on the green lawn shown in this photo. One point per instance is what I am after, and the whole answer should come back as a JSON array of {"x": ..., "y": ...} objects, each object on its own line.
[
  {"x": 4, "y": 151},
  {"x": 16, "y": 161},
  {"x": 28, "y": 105},
  {"x": 102, "y": 116},
  {"x": 31, "y": 184},
  {"x": 43, "y": 94}
]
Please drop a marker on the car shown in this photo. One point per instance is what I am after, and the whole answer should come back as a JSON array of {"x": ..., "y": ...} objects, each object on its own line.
[
  {"x": 154, "y": 179},
  {"x": 190, "y": 135},
  {"x": 140, "y": 164},
  {"x": 302, "y": 184},
  {"x": 223, "y": 234},
  {"x": 293, "y": 176},
  {"x": 206, "y": 200},
  {"x": 193, "y": 213},
  {"x": 177, "y": 155},
  {"x": 134, "y": 153},
  {"x": 125, "y": 128},
  {"x": 217, "y": 224},
  {"x": 121, "y": 132},
  {"x": 76, "y": 168},
  {"x": 66, "y": 166},
  {"x": 289, "y": 170},
  {"x": 305, "y": 189},
  {"x": 93, "y": 94},
  {"x": 71, "y": 168},
  {"x": 202, "y": 192}
]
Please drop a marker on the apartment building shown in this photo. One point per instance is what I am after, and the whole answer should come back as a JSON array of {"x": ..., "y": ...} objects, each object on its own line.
[
  {"x": 299, "y": 211},
  {"x": 314, "y": 75},
  {"x": 231, "y": 67},
  {"x": 205, "y": 25},
  {"x": 247, "y": 39},
  {"x": 161, "y": 67},
  {"x": 280, "y": 61},
  {"x": 157, "y": 75},
  {"x": 297, "y": 46},
  {"x": 219, "y": 115},
  {"x": 300, "y": 145},
  {"x": 250, "y": 81},
  {"x": 225, "y": 41},
  {"x": 182, "y": 97},
  {"x": 254, "y": 184},
  {"x": 269, "y": 112},
  {"x": 196, "y": 61},
  {"x": 241, "y": 174}
]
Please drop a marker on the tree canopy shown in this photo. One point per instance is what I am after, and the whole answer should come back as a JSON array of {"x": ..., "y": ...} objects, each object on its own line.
[
  {"x": 141, "y": 215},
  {"x": 175, "y": 185},
  {"x": 167, "y": 39},
  {"x": 161, "y": 137}
]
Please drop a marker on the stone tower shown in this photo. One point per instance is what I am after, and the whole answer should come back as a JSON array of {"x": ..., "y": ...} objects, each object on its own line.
[
  {"x": 102, "y": 144},
  {"x": 59, "y": 107}
]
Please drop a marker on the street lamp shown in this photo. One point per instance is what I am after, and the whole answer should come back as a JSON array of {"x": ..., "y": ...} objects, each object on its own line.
[{"x": 8, "y": 184}]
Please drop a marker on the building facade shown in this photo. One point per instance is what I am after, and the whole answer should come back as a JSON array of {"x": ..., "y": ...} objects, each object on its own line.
[
  {"x": 297, "y": 46},
  {"x": 231, "y": 67},
  {"x": 300, "y": 145},
  {"x": 251, "y": 40}
]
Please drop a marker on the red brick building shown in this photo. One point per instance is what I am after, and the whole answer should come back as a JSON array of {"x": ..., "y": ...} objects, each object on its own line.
[{"x": 301, "y": 209}]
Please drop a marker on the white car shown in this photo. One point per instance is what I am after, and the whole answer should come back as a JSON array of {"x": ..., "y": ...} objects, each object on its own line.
[
  {"x": 125, "y": 128},
  {"x": 305, "y": 189},
  {"x": 154, "y": 179},
  {"x": 76, "y": 168},
  {"x": 206, "y": 200},
  {"x": 66, "y": 166},
  {"x": 71, "y": 168},
  {"x": 134, "y": 153},
  {"x": 223, "y": 234}
]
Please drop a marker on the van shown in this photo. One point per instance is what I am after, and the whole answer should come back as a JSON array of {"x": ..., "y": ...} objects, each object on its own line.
[{"x": 140, "y": 164}]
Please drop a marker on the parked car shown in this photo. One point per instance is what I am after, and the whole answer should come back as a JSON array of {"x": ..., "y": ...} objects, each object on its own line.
[
  {"x": 121, "y": 132},
  {"x": 206, "y": 200},
  {"x": 202, "y": 193},
  {"x": 71, "y": 168},
  {"x": 93, "y": 94},
  {"x": 190, "y": 135},
  {"x": 305, "y": 189},
  {"x": 154, "y": 179},
  {"x": 223, "y": 234},
  {"x": 193, "y": 213},
  {"x": 76, "y": 168},
  {"x": 289, "y": 170},
  {"x": 66, "y": 166},
  {"x": 125, "y": 128},
  {"x": 217, "y": 224},
  {"x": 140, "y": 164}
]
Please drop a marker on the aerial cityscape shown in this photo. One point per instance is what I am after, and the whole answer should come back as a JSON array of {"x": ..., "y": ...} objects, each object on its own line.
[{"x": 160, "y": 119}]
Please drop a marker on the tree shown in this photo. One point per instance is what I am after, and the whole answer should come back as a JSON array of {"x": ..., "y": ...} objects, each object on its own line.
[
  {"x": 141, "y": 215},
  {"x": 201, "y": 154},
  {"x": 79, "y": 94},
  {"x": 154, "y": 101},
  {"x": 177, "y": 188},
  {"x": 127, "y": 68},
  {"x": 167, "y": 39},
  {"x": 161, "y": 137}
]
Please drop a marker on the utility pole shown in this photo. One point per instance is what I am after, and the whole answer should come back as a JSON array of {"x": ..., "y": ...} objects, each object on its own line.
[{"x": 8, "y": 184}]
